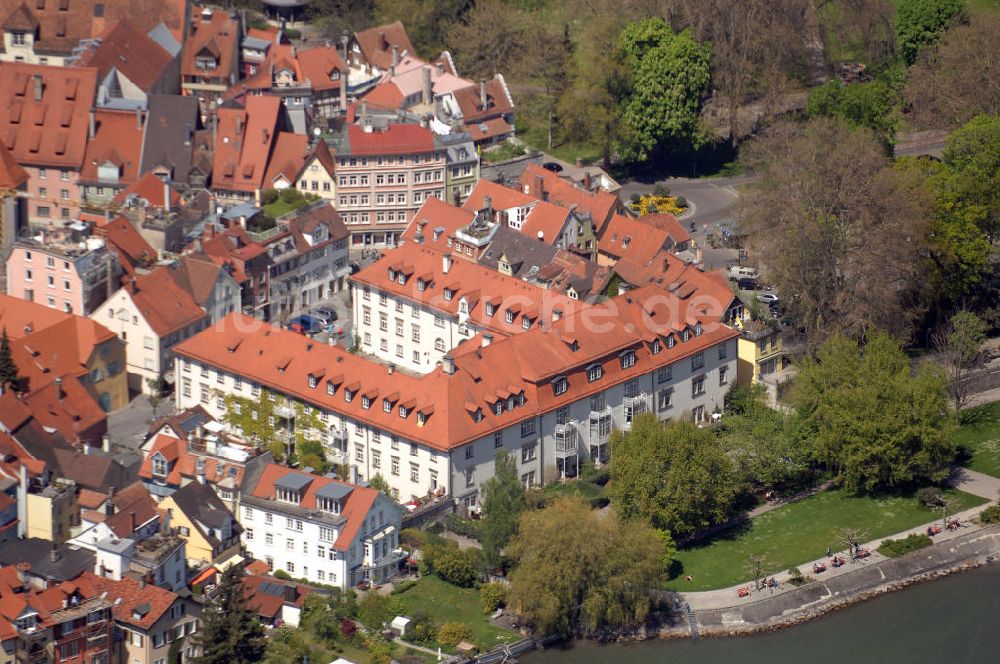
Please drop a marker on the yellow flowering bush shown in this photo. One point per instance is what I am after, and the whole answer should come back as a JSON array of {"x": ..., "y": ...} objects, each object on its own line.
[{"x": 652, "y": 204}]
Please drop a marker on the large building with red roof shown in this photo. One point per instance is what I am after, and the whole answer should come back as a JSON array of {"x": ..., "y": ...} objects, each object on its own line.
[
  {"x": 549, "y": 395},
  {"x": 318, "y": 528},
  {"x": 211, "y": 57}
]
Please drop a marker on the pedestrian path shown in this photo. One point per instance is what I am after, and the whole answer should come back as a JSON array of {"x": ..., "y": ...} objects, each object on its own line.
[{"x": 729, "y": 597}]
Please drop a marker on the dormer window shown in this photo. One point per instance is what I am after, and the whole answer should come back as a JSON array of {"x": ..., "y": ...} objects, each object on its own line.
[
  {"x": 366, "y": 403},
  {"x": 525, "y": 323},
  {"x": 449, "y": 294},
  {"x": 656, "y": 346},
  {"x": 685, "y": 335},
  {"x": 329, "y": 505},
  {"x": 348, "y": 396},
  {"x": 331, "y": 389},
  {"x": 510, "y": 403},
  {"x": 509, "y": 316},
  {"x": 386, "y": 405},
  {"x": 521, "y": 398},
  {"x": 287, "y": 495},
  {"x": 560, "y": 385},
  {"x": 392, "y": 274},
  {"x": 159, "y": 466},
  {"x": 627, "y": 359},
  {"x": 401, "y": 279},
  {"x": 403, "y": 411},
  {"x": 594, "y": 372},
  {"x": 478, "y": 415},
  {"x": 421, "y": 285},
  {"x": 313, "y": 382},
  {"x": 421, "y": 419},
  {"x": 671, "y": 341},
  {"x": 697, "y": 329},
  {"x": 463, "y": 307},
  {"x": 490, "y": 309}
]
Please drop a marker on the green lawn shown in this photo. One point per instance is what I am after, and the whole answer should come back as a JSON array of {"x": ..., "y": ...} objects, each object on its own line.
[
  {"x": 980, "y": 434},
  {"x": 280, "y": 207},
  {"x": 444, "y": 602},
  {"x": 798, "y": 533}
]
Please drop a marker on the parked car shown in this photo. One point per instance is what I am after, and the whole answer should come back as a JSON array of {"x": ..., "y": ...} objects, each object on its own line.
[
  {"x": 768, "y": 298},
  {"x": 737, "y": 272},
  {"x": 324, "y": 315},
  {"x": 552, "y": 166},
  {"x": 304, "y": 324},
  {"x": 747, "y": 283}
]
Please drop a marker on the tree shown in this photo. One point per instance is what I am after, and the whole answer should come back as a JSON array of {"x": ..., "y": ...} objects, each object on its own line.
[
  {"x": 873, "y": 105},
  {"x": 973, "y": 156},
  {"x": 959, "y": 78},
  {"x": 230, "y": 632},
  {"x": 379, "y": 483},
  {"x": 503, "y": 502},
  {"x": 921, "y": 23},
  {"x": 676, "y": 476},
  {"x": 457, "y": 566},
  {"x": 960, "y": 346},
  {"x": 870, "y": 419},
  {"x": 158, "y": 390},
  {"x": 9, "y": 376},
  {"x": 576, "y": 568},
  {"x": 492, "y": 37},
  {"x": 451, "y": 634},
  {"x": 838, "y": 232},
  {"x": 670, "y": 76},
  {"x": 428, "y": 22}
]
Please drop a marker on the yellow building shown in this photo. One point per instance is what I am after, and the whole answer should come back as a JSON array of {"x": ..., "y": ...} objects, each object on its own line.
[
  {"x": 50, "y": 510},
  {"x": 201, "y": 518},
  {"x": 317, "y": 176},
  {"x": 759, "y": 353}
]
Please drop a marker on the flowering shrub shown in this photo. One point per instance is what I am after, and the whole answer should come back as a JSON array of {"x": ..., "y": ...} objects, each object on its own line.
[{"x": 652, "y": 204}]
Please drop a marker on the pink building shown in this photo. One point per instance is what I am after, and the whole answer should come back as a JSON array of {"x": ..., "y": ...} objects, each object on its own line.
[
  {"x": 63, "y": 268},
  {"x": 45, "y": 121},
  {"x": 384, "y": 175}
]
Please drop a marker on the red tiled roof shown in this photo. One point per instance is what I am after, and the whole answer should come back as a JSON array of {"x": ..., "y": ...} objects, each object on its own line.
[
  {"x": 385, "y": 95},
  {"x": 127, "y": 49},
  {"x": 395, "y": 139},
  {"x": 70, "y": 410},
  {"x": 600, "y": 204},
  {"x": 501, "y": 197},
  {"x": 181, "y": 463},
  {"x": 12, "y": 176},
  {"x": 355, "y": 510},
  {"x": 21, "y": 317},
  {"x": 470, "y": 103},
  {"x": 133, "y": 250},
  {"x": 545, "y": 222},
  {"x": 243, "y": 144},
  {"x": 435, "y": 213},
  {"x": 318, "y": 64},
  {"x": 218, "y": 35},
  {"x": 90, "y": 500},
  {"x": 376, "y": 43},
  {"x": 492, "y": 128},
  {"x": 150, "y": 188},
  {"x": 163, "y": 303},
  {"x": 633, "y": 239},
  {"x": 133, "y": 499},
  {"x": 133, "y": 595},
  {"x": 291, "y": 151},
  {"x": 668, "y": 223},
  {"x": 118, "y": 139},
  {"x": 51, "y": 131}
]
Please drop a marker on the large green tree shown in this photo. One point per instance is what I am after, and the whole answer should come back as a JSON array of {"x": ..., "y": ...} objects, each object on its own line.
[
  {"x": 960, "y": 345},
  {"x": 874, "y": 105},
  {"x": 674, "y": 475},
  {"x": 921, "y": 23},
  {"x": 670, "y": 75},
  {"x": 503, "y": 502},
  {"x": 577, "y": 569},
  {"x": 870, "y": 418},
  {"x": 230, "y": 631}
]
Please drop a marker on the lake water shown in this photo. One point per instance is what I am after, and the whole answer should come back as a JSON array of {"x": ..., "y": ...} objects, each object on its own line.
[{"x": 955, "y": 620}]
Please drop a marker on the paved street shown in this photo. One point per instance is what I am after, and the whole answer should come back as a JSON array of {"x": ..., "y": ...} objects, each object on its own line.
[{"x": 127, "y": 426}]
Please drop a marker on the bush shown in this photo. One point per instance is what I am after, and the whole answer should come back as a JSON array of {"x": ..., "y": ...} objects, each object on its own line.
[
  {"x": 290, "y": 195},
  {"x": 348, "y": 628},
  {"x": 990, "y": 515},
  {"x": 681, "y": 202},
  {"x": 494, "y": 596},
  {"x": 661, "y": 190},
  {"x": 456, "y": 566},
  {"x": 463, "y": 527},
  {"x": 451, "y": 634},
  {"x": 635, "y": 198},
  {"x": 293, "y": 33},
  {"x": 795, "y": 577},
  {"x": 894, "y": 548},
  {"x": 269, "y": 196},
  {"x": 282, "y": 574},
  {"x": 403, "y": 586},
  {"x": 413, "y": 537},
  {"x": 930, "y": 496}
]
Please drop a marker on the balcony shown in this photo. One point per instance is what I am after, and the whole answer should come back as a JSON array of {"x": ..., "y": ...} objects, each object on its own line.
[
  {"x": 567, "y": 436},
  {"x": 285, "y": 412},
  {"x": 634, "y": 406},
  {"x": 600, "y": 426}
]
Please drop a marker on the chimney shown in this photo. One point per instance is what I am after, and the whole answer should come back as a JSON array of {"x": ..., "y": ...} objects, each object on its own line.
[
  {"x": 199, "y": 469},
  {"x": 38, "y": 87},
  {"x": 354, "y": 475},
  {"x": 142, "y": 583},
  {"x": 383, "y": 43},
  {"x": 539, "y": 192},
  {"x": 587, "y": 182},
  {"x": 106, "y": 443},
  {"x": 59, "y": 390},
  {"x": 487, "y": 339},
  {"x": 440, "y": 68},
  {"x": 343, "y": 90},
  {"x": 91, "y": 126},
  {"x": 263, "y": 133},
  {"x": 482, "y": 92},
  {"x": 395, "y": 56},
  {"x": 448, "y": 364},
  {"x": 428, "y": 88},
  {"x": 166, "y": 196},
  {"x": 131, "y": 523},
  {"x": 54, "y": 553},
  {"x": 446, "y": 263},
  {"x": 391, "y": 369}
]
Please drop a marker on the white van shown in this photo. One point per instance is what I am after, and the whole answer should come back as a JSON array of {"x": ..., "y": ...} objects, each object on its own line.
[{"x": 737, "y": 272}]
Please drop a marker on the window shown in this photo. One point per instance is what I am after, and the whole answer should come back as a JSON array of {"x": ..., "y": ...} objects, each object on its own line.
[
  {"x": 655, "y": 348},
  {"x": 627, "y": 359},
  {"x": 594, "y": 372},
  {"x": 159, "y": 466},
  {"x": 560, "y": 385},
  {"x": 470, "y": 451},
  {"x": 528, "y": 479},
  {"x": 498, "y": 439},
  {"x": 723, "y": 375},
  {"x": 394, "y": 467},
  {"x": 663, "y": 399},
  {"x": 438, "y": 321},
  {"x": 671, "y": 341},
  {"x": 290, "y": 567},
  {"x": 415, "y": 333},
  {"x": 528, "y": 428},
  {"x": 598, "y": 402},
  {"x": 470, "y": 476},
  {"x": 414, "y": 472},
  {"x": 562, "y": 415},
  {"x": 268, "y": 518},
  {"x": 509, "y": 316},
  {"x": 722, "y": 352},
  {"x": 630, "y": 388},
  {"x": 376, "y": 459},
  {"x": 697, "y": 361},
  {"x": 663, "y": 374},
  {"x": 439, "y": 344},
  {"x": 248, "y": 513},
  {"x": 289, "y": 544},
  {"x": 269, "y": 538},
  {"x": 697, "y": 386},
  {"x": 528, "y": 453},
  {"x": 327, "y": 534}
]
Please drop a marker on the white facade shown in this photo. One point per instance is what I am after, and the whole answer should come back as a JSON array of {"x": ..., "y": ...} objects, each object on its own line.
[{"x": 301, "y": 542}]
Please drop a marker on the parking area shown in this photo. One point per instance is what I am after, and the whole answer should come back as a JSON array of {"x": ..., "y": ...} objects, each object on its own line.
[{"x": 341, "y": 329}]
